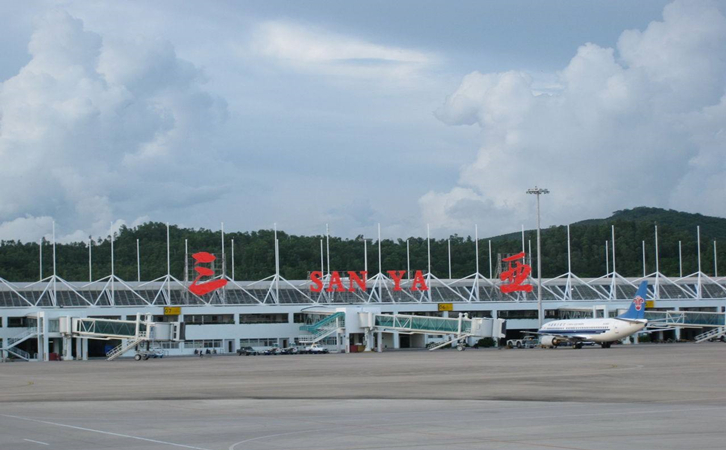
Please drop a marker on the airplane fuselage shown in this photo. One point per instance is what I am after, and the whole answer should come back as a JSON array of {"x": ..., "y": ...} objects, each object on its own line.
[{"x": 594, "y": 330}]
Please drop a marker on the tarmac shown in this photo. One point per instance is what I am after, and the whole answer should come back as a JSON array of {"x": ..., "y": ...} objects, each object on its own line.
[{"x": 649, "y": 396}]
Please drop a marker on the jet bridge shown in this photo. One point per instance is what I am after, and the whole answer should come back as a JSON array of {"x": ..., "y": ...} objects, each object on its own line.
[
  {"x": 130, "y": 332},
  {"x": 458, "y": 328}
]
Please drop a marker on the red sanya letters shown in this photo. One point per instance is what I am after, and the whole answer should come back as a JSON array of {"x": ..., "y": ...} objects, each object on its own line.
[{"x": 357, "y": 280}]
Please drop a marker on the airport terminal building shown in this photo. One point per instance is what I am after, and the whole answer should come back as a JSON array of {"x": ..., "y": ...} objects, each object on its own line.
[{"x": 276, "y": 312}]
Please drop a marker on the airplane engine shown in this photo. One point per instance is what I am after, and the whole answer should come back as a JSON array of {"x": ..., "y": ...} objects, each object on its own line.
[{"x": 550, "y": 341}]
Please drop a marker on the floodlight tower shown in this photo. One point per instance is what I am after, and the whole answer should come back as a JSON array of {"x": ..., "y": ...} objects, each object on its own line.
[{"x": 539, "y": 191}]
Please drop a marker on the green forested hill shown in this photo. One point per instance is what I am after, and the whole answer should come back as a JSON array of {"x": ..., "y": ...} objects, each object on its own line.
[{"x": 254, "y": 251}]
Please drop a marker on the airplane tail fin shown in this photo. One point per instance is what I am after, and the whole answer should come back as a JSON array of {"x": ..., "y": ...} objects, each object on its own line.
[{"x": 637, "y": 308}]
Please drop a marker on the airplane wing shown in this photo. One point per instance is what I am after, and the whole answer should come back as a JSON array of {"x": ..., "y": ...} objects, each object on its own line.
[{"x": 633, "y": 320}]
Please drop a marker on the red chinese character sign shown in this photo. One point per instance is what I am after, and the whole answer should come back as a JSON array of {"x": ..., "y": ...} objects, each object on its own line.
[
  {"x": 207, "y": 286},
  {"x": 516, "y": 274}
]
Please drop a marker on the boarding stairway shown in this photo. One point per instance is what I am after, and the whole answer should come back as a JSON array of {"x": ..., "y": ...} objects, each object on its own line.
[
  {"x": 322, "y": 329},
  {"x": 715, "y": 333},
  {"x": 13, "y": 342},
  {"x": 124, "y": 347}
]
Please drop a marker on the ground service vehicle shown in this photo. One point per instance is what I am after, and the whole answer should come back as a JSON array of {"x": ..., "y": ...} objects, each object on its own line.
[
  {"x": 527, "y": 342},
  {"x": 315, "y": 348},
  {"x": 247, "y": 351},
  {"x": 146, "y": 354}
]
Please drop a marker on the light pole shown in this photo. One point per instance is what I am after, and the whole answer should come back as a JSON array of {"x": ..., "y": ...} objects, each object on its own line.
[{"x": 538, "y": 191}]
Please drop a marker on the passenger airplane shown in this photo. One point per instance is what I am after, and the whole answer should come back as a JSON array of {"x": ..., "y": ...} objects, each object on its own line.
[{"x": 602, "y": 331}]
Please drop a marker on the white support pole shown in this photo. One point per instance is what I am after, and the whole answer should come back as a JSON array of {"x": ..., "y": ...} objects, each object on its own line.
[
  {"x": 138, "y": 261},
  {"x": 569, "y": 252},
  {"x": 613, "y": 284},
  {"x": 428, "y": 247},
  {"x": 428, "y": 244},
  {"x": 365, "y": 254},
  {"x": 327, "y": 245},
  {"x": 680, "y": 259},
  {"x": 380, "y": 266},
  {"x": 698, "y": 246},
  {"x": 476, "y": 248},
  {"x": 186, "y": 260},
  {"x": 168, "y": 265},
  {"x": 644, "y": 270},
  {"x": 715, "y": 261},
  {"x": 491, "y": 274},
  {"x": 523, "y": 249},
  {"x": 232, "y": 243},
  {"x": 224, "y": 261},
  {"x": 277, "y": 270},
  {"x": 449, "y": 242},
  {"x": 322, "y": 258},
  {"x": 408, "y": 259},
  {"x": 613, "y": 244},
  {"x": 113, "y": 268},
  {"x": 277, "y": 266},
  {"x": 380, "y": 255},
  {"x": 90, "y": 260},
  {"x": 40, "y": 256},
  {"x": 54, "y": 269},
  {"x": 607, "y": 258},
  {"x": 476, "y": 256}
]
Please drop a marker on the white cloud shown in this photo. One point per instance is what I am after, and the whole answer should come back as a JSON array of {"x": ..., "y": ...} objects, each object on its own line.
[
  {"x": 26, "y": 229},
  {"x": 318, "y": 50},
  {"x": 91, "y": 124},
  {"x": 641, "y": 124}
]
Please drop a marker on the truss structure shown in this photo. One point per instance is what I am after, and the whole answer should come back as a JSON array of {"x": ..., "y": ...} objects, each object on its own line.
[{"x": 112, "y": 291}]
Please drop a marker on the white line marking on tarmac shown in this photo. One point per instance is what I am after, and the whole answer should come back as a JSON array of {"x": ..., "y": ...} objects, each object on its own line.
[
  {"x": 104, "y": 432},
  {"x": 36, "y": 442}
]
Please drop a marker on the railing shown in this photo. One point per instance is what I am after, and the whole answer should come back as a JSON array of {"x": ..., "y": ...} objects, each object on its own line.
[
  {"x": 20, "y": 353},
  {"x": 27, "y": 333},
  {"x": 322, "y": 334},
  {"x": 317, "y": 325},
  {"x": 711, "y": 334},
  {"x": 423, "y": 323},
  {"x": 123, "y": 348}
]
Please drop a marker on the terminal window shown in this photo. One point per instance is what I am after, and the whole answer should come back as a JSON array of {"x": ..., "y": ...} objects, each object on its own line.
[
  {"x": 204, "y": 343},
  {"x": 258, "y": 342},
  {"x": 209, "y": 319},
  {"x": 522, "y": 314},
  {"x": 263, "y": 318}
]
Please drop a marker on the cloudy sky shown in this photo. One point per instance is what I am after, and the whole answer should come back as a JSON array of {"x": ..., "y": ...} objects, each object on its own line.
[{"x": 403, "y": 113}]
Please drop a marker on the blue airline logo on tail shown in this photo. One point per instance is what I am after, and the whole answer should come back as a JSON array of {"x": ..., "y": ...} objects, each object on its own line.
[{"x": 637, "y": 308}]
